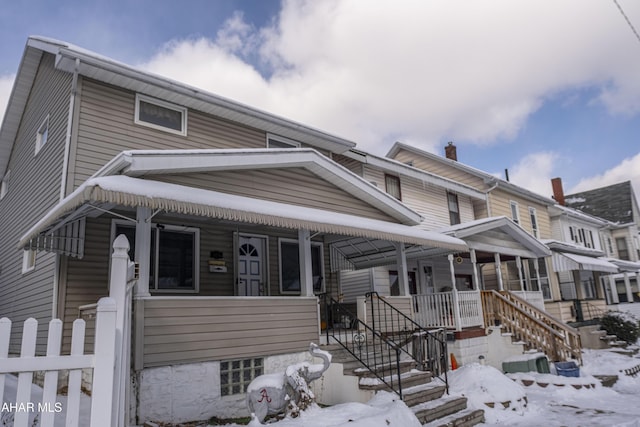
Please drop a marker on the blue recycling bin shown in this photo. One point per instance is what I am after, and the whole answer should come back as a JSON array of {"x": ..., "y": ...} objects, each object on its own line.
[{"x": 567, "y": 369}]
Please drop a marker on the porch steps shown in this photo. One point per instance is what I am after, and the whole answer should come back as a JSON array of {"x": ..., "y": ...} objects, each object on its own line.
[{"x": 425, "y": 397}]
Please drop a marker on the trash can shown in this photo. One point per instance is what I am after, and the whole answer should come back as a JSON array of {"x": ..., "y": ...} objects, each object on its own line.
[
  {"x": 536, "y": 362},
  {"x": 567, "y": 369}
]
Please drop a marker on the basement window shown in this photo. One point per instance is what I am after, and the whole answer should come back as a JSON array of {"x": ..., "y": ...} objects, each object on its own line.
[
  {"x": 235, "y": 375},
  {"x": 161, "y": 115}
]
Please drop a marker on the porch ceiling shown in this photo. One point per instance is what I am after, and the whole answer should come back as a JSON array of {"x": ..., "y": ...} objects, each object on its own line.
[{"x": 132, "y": 192}]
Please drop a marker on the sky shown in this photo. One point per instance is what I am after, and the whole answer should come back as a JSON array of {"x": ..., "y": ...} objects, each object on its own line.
[{"x": 541, "y": 88}]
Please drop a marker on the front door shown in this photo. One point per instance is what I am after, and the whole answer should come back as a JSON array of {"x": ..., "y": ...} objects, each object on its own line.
[
  {"x": 426, "y": 278},
  {"x": 251, "y": 265}
]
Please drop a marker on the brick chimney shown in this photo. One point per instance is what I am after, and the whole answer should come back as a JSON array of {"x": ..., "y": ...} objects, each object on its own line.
[
  {"x": 450, "y": 151},
  {"x": 558, "y": 192}
]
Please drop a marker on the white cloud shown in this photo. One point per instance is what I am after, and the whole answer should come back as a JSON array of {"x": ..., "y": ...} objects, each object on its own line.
[
  {"x": 419, "y": 71},
  {"x": 6, "y": 84},
  {"x": 534, "y": 172},
  {"x": 627, "y": 170}
]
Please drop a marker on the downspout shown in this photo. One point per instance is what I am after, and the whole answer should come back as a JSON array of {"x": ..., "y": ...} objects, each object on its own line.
[
  {"x": 67, "y": 142},
  {"x": 487, "y": 199},
  {"x": 63, "y": 184}
]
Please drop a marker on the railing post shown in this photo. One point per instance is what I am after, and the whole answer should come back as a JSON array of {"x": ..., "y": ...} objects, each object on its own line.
[
  {"x": 118, "y": 292},
  {"x": 102, "y": 398}
]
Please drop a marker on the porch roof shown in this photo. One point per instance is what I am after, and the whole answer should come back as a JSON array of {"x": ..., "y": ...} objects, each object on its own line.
[
  {"x": 623, "y": 265},
  {"x": 569, "y": 262},
  {"x": 132, "y": 192}
]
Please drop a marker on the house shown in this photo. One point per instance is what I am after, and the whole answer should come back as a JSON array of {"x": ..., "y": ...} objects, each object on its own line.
[
  {"x": 237, "y": 220},
  {"x": 617, "y": 205},
  {"x": 511, "y": 221}
]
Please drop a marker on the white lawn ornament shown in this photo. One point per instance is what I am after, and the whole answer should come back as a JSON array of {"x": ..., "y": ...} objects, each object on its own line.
[{"x": 286, "y": 392}]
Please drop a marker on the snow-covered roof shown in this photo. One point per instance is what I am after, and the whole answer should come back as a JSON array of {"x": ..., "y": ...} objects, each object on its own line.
[
  {"x": 472, "y": 231},
  {"x": 569, "y": 262},
  {"x": 562, "y": 246},
  {"x": 127, "y": 191},
  {"x": 138, "y": 163}
]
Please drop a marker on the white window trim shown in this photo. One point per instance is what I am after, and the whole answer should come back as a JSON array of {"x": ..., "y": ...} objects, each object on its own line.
[
  {"x": 285, "y": 240},
  {"x": 534, "y": 224},
  {"x": 4, "y": 186},
  {"x": 28, "y": 260},
  {"x": 164, "y": 104},
  {"x": 41, "y": 130},
  {"x": 154, "y": 229},
  {"x": 282, "y": 139},
  {"x": 516, "y": 218}
]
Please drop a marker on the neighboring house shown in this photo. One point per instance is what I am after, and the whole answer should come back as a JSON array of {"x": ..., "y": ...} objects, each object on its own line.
[
  {"x": 237, "y": 219},
  {"x": 618, "y": 206},
  {"x": 509, "y": 223}
]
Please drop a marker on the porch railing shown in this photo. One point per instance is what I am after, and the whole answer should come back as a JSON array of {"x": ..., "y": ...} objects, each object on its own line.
[
  {"x": 428, "y": 348},
  {"x": 438, "y": 310},
  {"x": 527, "y": 323},
  {"x": 378, "y": 354}
]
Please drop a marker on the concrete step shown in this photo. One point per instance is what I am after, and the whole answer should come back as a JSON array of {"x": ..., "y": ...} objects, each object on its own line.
[
  {"x": 466, "y": 418},
  {"x": 436, "y": 409},
  {"x": 387, "y": 368},
  {"x": 408, "y": 380},
  {"x": 422, "y": 393}
]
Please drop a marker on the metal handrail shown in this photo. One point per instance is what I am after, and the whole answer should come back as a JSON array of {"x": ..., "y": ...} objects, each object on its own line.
[
  {"x": 378, "y": 354},
  {"x": 428, "y": 347}
]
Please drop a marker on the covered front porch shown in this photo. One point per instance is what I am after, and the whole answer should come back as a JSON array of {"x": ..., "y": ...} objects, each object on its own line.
[{"x": 501, "y": 257}]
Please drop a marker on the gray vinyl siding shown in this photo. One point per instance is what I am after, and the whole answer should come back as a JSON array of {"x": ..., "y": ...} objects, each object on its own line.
[
  {"x": 354, "y": 284},
  {"x": 106, "y": 127},
  {"x": 34, "y": 186},
  {"x": 294, "y": 186},
  {"x": 187, "y": 330},
  {"x": 87, "y": 278}
]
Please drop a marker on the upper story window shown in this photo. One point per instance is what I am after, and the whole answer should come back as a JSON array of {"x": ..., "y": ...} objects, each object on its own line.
[
  {"x": 515, "y": 215},
  {"x": 454, "y": 208},
  {"x": 274, "y": 141},
  {"x": 534, "y": 221},
  {"x": 43, "y": 134},
  {"x": 392, "y": 186},
  {"x": 623, "y": 251},
  {"x": 4, "y": 186},
  {"x": 160, "y": 115},
  {"x": 609, "y": 246}
]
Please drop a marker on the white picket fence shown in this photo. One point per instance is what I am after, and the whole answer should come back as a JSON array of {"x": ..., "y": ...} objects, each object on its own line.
[{"x": 109, "y": 360}]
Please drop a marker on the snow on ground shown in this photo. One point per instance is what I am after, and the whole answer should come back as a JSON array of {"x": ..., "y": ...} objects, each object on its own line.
[{"x": 551, "y": 400}]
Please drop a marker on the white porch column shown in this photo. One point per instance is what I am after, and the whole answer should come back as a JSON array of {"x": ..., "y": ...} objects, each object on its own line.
[
  {"x": 519, "y": 267},
  {"x": 614, "y": 290},
  {"x": 496, "y": 256},
  {"x": 403, "y": 276},
  {"x": 627, "y": 285},
  {"x": 306, "y": 272},
  {"x": 143, "y": 250},
  {"x": 474, "y": 265},
  {"x": 454, "y": 294}
]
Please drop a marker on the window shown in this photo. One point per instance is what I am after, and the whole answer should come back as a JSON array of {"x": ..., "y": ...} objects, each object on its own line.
[
  {"x": 623, "y": 251},
  {"x": 534, "y": 221},
  {"x": 454, "y": 208},
  {"x": 394, "y": 284},
  {"x": 236, "y": 375},
  {"x": 609, "y": 246},
  {"x": 543, "y": 285},
  {"x": 515, "y": 215},
  {"x": 160, "y": 115},
  {"x": 4, "y": 186},
  {"x": 588, "y": 284},
  {"x": 290, "y": 266},
  {"x": 28, "y": 260},
  {"x": 392, "y": 186},
  {"x": 591, "y": 243},
  {"x": 43, "y": 135},
  {"x": 572, "y": 233},
  {"x": 274, "y": 141},
  {"x": 174, "y": 260}
]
